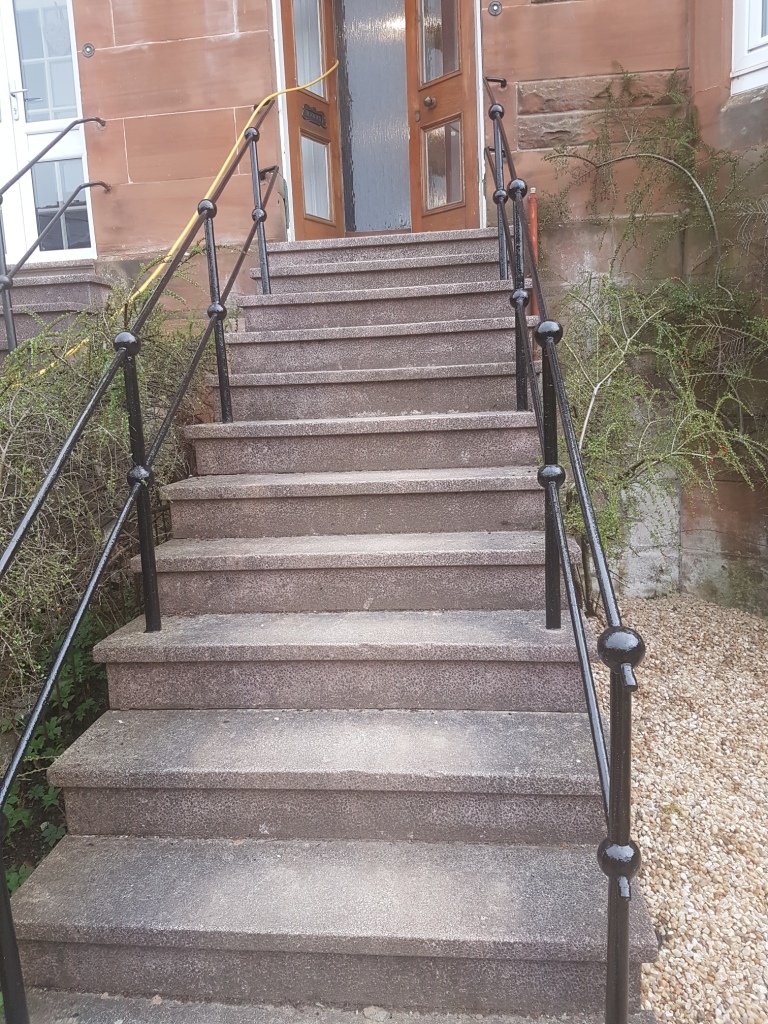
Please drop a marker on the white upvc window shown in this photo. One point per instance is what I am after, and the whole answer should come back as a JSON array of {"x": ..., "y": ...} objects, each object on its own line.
[{"x": 750, "y": 45}]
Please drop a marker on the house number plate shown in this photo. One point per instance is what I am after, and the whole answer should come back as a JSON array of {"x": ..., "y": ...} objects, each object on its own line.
[{"x": 315, "y": 116}]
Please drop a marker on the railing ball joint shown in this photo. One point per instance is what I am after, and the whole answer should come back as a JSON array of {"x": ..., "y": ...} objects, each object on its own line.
[
  {"x": 496, "y": 112},
  {"x": 500, "y": 196},
  {"x": 259, "y": 215},
  {"x": 207, "y": 208},
  {"x": 548, "y": 330},
  {"x": 618, "y": 646},
  {"x": 140, "y": 475},
  {"x": 517, "y": 189},
  {"x": 619, "y": 861},
  {"x": 217, "y": 311},
  {"x": 128, "y": 342},
  {"x": 252, "y": 135},
  {"x": 553, "y": 474},
  {"x": 519, "y": 296},
  {"x": 5, "y": 282}
]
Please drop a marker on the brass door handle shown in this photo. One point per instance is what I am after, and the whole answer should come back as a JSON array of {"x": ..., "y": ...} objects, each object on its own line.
[{"x": 430, "y": 102}]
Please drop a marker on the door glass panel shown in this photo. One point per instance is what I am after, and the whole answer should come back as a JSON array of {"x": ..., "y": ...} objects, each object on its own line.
[
  {"x": 316, "y": 175},
  {"x": 46, "y": 59},
  {"x": 439, "y": 38},
  {"x": 307, "y": 29},
  {"x": 444, "y": 165},
  {"x": 373, "y": 109},
  {"x": 53, "y": 181},
  {"x": 765, "y": 18}
]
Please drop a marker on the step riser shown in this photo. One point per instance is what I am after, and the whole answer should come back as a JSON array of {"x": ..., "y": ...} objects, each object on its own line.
[
  {"x": 423, "y": 249},
  {"x": 405, "y": 277},
  {"x": 417, "y": 309},
  {"x": 441, "y": 512},
  {"x": 451, "y": 349},
  {"x": 346, "y": 452},
  {"x": 386, "y": 398},
  {"x": 448, "y": 984},
  {"x": 351, "y": 814},
  {"x": 317, "y": 684},
  {"x": 411, "y": 588}
]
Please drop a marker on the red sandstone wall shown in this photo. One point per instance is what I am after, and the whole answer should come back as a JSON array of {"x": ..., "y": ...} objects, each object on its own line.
[{"x": 176, "y": 80}]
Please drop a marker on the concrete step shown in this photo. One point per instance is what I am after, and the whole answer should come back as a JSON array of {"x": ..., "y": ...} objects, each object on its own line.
[
  {"x": 50, "y": 298},
  {"x": 436, "y": 441},
  {"x": 365, "y": 248},
  {"x": 474, "y": 661},
  {"x": 52, "y": 1007},
  {"x": 403, "y": 305},
  {"x": 458, "y": 927},
  {"x": 355, "y": 572},
  {"x": 406, "y": 501},
  {"x": 397, "y": 391},
  {"x": 399, "y": 272},
  {"x": 440, "y": 343},
  {"x": 430, "y": 776}
]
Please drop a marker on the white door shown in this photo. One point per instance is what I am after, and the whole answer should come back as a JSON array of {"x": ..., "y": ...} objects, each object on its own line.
[{"x": 39, "y": 96}]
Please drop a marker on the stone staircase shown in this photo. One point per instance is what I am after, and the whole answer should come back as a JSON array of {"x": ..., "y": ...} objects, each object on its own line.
[{"x": 354, "y": 768}]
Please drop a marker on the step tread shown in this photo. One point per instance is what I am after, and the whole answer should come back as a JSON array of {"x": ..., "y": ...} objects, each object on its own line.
[
  {"x": 372, "y": 898},
  {"x": 325, "y": 298},
  {"x": 369, "y": 376},
  {"x": 375, "y": 265},
  {"x": 405, "y": 751},
  {"x": 363, "y": 425},
  {"x": 51, "y": 1007},
  {"x": 384, "y": 481},
  {"x": 509, "y": 635},
  {"x": 382, "y": 241},
  {"x": 438, "y": 327},
  {"x": 357, "y": 550}
]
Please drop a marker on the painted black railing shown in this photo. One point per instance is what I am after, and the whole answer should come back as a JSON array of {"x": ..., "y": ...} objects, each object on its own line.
[
  {"x": 127, "y": 351},
  {"x": 619, "y": 647},
  {"x": 6, "y": 277}
]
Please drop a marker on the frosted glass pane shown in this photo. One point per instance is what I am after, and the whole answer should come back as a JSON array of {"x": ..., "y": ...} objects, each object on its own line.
[
  {"x": 47, "y": 73},
  {"x": 444, "y": 159},
  {"x": 317, "y": 178},
  {"x": 308, "y": 31},
  {"x": 373, "y": 107},
  {"x": 440, "y": 38}
]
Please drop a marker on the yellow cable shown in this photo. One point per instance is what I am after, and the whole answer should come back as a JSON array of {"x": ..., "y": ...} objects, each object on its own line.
[{"x": 174, "y": 249}]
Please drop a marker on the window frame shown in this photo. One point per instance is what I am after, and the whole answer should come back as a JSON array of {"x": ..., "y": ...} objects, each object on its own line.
[{"x": 749, "y": 69}]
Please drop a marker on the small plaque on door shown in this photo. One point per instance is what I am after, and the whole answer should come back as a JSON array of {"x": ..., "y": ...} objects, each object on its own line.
[{"x": 314, "y": 115}]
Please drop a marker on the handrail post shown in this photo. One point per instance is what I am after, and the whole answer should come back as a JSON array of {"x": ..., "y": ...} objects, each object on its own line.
[
  {"x": 216, "y": 311},
  {"x": 500, "y": 196},
  {"x": 141, "y": 475},
  {"x": 11, "y": 976},
  {"x": 259, "y": 213},
  {"x": 622, "y": 650},
  {"x": 548, "y": 334},
  {"x": 5, "y": 289},
  {"x": 517, "y": 190}
]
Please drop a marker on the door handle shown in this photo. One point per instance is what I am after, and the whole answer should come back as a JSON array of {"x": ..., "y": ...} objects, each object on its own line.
[
  {"x": 15, "y": 93},
  {"x": 430, "y": 102}
]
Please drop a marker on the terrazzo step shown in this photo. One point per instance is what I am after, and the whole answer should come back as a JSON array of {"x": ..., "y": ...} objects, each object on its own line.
[
  {"x": 435, "y": 441},
  {"x": 438, "y": 343},
  {"x": 401, "y": 271},
  {"x": 316, "y": 394},
  {"x": 473, "y": 661},
  {"x": 52, "y": 1007},
  {"x": 472, "y": 928},
  {"x": 355, "y": 572},
  {"x": 430, "y": 776},
  {"x": 387, "y": 501},
  {"x": 403, "y": 305},
  {"x": 365, "y": 248}
]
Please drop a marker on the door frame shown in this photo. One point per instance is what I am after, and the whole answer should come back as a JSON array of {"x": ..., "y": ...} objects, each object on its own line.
[
  {"x": 282, "y": 111},
  {"x": 38, "y": 135}
]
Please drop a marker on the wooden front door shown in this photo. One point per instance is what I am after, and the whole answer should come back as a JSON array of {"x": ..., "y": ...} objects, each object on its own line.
[
  {"x": 442, "y": 102},
  {"x": 313, "y": 119}
]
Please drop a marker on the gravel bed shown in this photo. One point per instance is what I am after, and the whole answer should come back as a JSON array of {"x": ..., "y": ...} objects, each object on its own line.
[{"x": 701, "y": 808}]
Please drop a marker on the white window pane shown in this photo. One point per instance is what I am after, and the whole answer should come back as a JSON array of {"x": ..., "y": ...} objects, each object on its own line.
[
  {"x": 63, "y": 99},
  {"x": 53, "y": 181},
  {"x": 308, "y": 31},
  {"x": 47, "y": 70},
  {"x": 317, "y": 178},
  {"x": 36, "y": 100},
  {"x": 29, "y": 34}
]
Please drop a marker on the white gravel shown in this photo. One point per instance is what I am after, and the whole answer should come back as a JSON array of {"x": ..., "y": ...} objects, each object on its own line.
[{"x": 701, "y": 808}]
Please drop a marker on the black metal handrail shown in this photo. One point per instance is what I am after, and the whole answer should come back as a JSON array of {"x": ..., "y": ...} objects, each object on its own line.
[
  {"x": 127, "y": 348},
  {"x": 619, "y": 647},
  {"x": 5, "y": 277}
]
